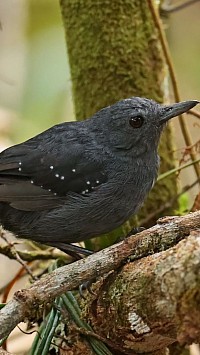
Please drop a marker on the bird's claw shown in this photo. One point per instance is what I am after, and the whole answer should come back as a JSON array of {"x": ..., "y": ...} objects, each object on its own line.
[{"x": 86, "y": 286}]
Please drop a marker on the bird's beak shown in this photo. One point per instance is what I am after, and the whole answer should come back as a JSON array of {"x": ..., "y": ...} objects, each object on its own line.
[{"x": 177, "y": 109}]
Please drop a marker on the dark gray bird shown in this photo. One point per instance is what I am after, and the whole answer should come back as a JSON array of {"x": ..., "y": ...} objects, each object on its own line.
[{"x": 78, "y": 180}]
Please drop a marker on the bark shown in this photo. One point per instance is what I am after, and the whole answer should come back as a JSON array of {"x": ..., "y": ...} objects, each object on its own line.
[
  {"x": 153, "y": 302},
  {"x": 160, "y": 297},
  {"x": 114, "y": 53}
]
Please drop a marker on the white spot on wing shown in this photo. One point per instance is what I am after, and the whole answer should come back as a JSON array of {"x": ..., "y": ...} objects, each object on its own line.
[
  {"x": 57, "y": 175},
  {"x": 73, "y": 170},
  {"x": 51, "y": 167},
  {"x": 62, "y": 177}
]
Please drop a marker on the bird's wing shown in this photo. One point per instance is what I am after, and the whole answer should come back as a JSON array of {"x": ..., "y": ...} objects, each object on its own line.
[{"x": 39, "y": 173}]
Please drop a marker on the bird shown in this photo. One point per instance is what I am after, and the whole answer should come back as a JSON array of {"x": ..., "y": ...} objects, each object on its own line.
[{"x": 78, "y": 180}]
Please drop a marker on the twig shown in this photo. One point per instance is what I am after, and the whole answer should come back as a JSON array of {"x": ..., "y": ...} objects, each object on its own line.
[
  {"x": 90, "y": 333},
  {"x": 175, "y": 170},
  {"x": 6, "y": 289},
  {"x": 25, "y": 266},
  {"x": 17, "y": 257},
  {"x": 27, "y": 302},
  {"x": 168, "y": 204},
  {"x": 195, "y": 147},
  {"x": 28, "y": 333},
  {"x": 194, "y": 113},
  {"x": 32, "y": 255},
  {"x": 168, "y": 59},
  {"x": 175, "y": 8}
]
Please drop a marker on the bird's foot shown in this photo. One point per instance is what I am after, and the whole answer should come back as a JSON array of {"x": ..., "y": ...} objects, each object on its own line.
[
  {"x": 86, "y": 286},
  {"x": 77, "y": 253}
]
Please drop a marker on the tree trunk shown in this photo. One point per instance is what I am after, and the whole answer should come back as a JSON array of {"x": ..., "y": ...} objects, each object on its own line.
[{"x": 114, "y": 53}]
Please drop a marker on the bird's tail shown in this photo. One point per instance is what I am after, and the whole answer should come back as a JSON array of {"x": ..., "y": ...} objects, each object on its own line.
[{"x": 2, "y": 209}]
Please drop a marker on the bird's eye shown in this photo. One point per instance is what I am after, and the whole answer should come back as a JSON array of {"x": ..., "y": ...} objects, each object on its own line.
[{"x": 136, "y": 122}]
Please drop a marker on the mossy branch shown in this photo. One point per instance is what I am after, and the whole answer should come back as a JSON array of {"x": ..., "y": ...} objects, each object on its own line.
[
  {"x": 31, "y": 255},
  {"x": 27, "y": 303},
  {"x": 154, "y": 301}
]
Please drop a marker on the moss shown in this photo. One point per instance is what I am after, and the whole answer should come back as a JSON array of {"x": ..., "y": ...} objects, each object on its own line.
[{"x": 114, "y": 53}]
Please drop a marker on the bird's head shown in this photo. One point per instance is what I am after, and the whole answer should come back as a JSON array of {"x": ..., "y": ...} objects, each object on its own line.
[{"x": 136, "y": 123}]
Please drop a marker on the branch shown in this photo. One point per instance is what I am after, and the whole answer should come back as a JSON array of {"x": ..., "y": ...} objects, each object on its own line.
[
  {"x": 194, "y": 113},
  {"x": 26, "y": 303},
  {"x": 169, "y": 204},
  {"x": 175, "y": 170},
  {"x": 169, "y": 9},
  {"x": 32, "y": 255},
  {"x": 154, "y": 301},
  {"x": 167, "y": 54}
]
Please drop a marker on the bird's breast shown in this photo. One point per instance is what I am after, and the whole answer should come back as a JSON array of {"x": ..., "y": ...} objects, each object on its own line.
[{"x": 124, "y": 193}]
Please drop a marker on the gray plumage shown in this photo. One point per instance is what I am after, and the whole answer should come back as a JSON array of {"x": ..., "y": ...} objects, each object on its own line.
[{"x": 78, "y": 180}]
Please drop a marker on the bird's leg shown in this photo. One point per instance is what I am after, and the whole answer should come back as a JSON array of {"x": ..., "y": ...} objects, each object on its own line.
[
  {"x": 76, "y": 252},
  {"x": 73, "y": 250},
  {"x": 87, "y": 285}
]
